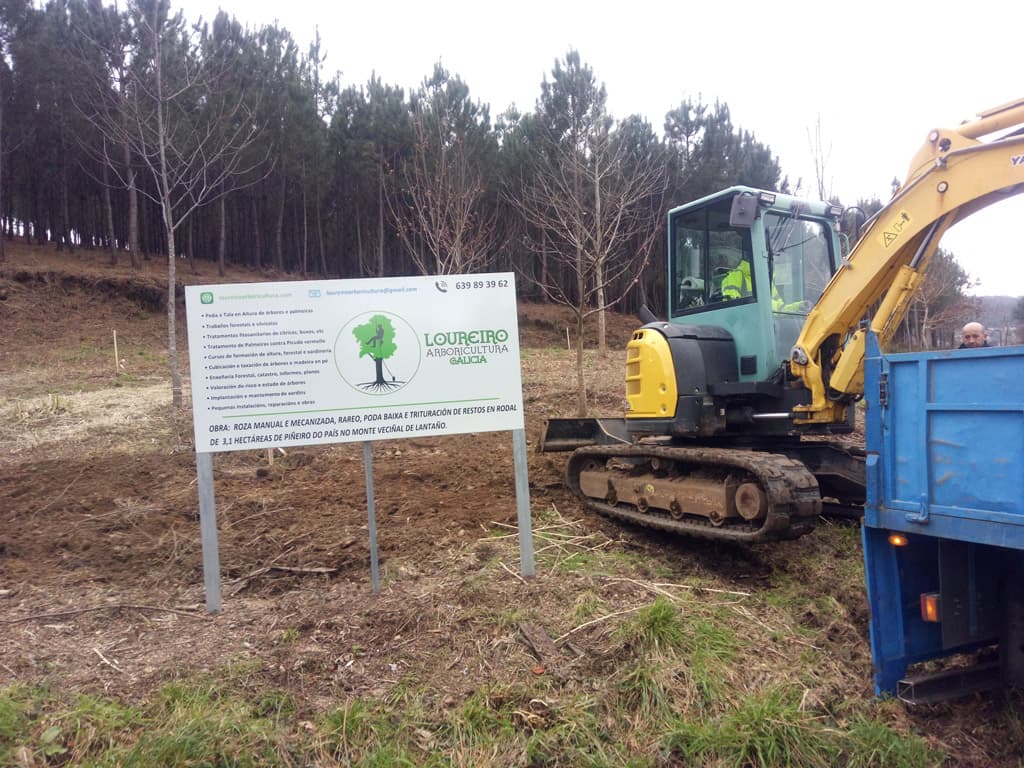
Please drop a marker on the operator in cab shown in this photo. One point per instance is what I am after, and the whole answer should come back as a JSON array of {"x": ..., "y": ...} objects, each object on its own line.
[{"x": 737, "y": 284}]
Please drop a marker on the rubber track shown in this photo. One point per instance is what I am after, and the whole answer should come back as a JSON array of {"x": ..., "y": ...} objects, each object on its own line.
[{"x": 794, "y": 502}]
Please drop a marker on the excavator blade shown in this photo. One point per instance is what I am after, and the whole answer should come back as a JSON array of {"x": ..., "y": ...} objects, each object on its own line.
[{"x": 570, "y": 434}]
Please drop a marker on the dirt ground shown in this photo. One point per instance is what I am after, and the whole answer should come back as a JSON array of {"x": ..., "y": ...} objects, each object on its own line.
[{"x": 101, "y": 580}]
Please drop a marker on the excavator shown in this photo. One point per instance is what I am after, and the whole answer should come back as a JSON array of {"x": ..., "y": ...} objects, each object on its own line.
[{"x": 736, "y": 406}]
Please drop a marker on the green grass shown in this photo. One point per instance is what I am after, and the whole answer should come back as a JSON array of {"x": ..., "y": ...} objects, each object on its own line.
[
  {"x": 196, "y": 723},
  {"x": 656, "y": 628},
  {"x": 712, "y": 649},
  {"x": 187, "y": 724},
  {"x": 510, "y": 617},
  {"x": 574, "y": 734},
  {"x": 476, "y": 725},
  {"x": 289, "y": 636},
  {"x": 869, "y": 744},
  {"x": 577, "y": 562},
  {"x": 87, "y": 353},
  {"x": 645, "y": 691},
  {"x": 765, "y": 729},
  {"x": 587, "y": 605},
  {"x": 690, "y": 678},
  {"x": 16, "y": 704},
  {"x": 356, "y": 734},
  {"x": 770, "y": 729}
]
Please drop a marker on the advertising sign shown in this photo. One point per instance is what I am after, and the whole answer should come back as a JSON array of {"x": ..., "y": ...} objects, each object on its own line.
[{"x": 330, "y": 361}]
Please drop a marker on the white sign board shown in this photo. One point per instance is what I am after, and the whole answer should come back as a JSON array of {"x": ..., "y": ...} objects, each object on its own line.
[{"x": 330, "y": 361}]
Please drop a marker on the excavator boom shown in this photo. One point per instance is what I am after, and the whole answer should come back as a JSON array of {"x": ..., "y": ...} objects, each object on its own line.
[{"x": 953, "y": 175}]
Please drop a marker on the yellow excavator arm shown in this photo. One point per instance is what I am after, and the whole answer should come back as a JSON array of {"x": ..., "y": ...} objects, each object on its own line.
[{"x": 954, "y": 174}]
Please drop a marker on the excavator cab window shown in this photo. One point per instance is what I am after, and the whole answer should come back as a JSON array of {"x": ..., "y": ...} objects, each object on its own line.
[
  {"x": 711, "y": 260},
  {"x": 801, "y": 263}
]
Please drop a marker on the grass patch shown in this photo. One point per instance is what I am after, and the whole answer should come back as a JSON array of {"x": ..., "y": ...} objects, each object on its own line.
[
  {"x": 198, "y": 724},
  {"x": 15, "y": 704},
  {"x": 577, "y": 562},
  {"x": 633, "y": 720},
  {"x": 770, "y": 729},
  {"x": 187, "y": 724},
  {"x": 355, "y": 734},
  {"x": 711, "y": 651},
  {"x": 870, "y": 744},
  {"x": 766, "y": 729},
  {"x": 656, "y": 628},
  {"x": 646, "y": 693},
  {"x": 587, "y": 605},
  {"x": 575, "y": 734}
]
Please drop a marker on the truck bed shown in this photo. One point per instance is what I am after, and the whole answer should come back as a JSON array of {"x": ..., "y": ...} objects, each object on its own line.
[{"x": 945, "y": 443}]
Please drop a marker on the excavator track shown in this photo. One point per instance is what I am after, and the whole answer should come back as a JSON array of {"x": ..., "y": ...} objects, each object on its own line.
[{"x": 714, "y": 493}]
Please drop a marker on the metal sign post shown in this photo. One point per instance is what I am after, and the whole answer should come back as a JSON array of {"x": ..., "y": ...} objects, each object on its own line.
[
  {"x": 371, "y": 516},
  {"x": 523, "y": 503},
  {"x": 208, "y": 531}
]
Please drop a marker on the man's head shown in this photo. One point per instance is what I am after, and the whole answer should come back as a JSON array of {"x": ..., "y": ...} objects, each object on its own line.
[{"x": 973, "y": 335}]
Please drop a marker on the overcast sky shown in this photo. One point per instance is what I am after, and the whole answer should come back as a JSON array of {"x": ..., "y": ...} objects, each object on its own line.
[{"x": 876, "y": 76}]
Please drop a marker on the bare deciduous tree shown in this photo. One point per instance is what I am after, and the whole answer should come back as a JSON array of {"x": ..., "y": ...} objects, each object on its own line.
[
  {"x": 188, "y": 122},
  {"x": 437, "y": 202},
  {"x": 596, "y": 215},
  {"x": 438, "y": 195},
  {"x": 940, "y": 303},
  {"x": 102, "y": 52},
  {"x": 820, "y": 154}
]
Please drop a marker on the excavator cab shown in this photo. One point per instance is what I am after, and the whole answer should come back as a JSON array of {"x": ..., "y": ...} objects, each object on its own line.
[
  {"x": 752, "y": 263},
  {"x": 745, "y": 268}
]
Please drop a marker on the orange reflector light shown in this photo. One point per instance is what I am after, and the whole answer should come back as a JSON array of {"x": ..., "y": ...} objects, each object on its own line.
[
  {"x": 931, "y": 607},
  {"x": 898, "y": 540}
]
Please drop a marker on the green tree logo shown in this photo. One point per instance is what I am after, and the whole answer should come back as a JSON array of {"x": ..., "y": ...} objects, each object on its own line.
[
  {"x": 377, "y": 341},
  {"x": 389, "y": 341}
]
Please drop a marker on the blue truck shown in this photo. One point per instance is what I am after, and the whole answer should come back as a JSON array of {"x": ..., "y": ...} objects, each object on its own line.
[{"x": 943, "y": 526}]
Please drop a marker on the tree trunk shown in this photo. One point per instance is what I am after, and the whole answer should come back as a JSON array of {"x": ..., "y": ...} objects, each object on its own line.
[
  {"x": 380, "y": 215},
  {"x": 108, "y": 209},
  {"x": 257, "y": 245},
  {"x": 320, "y": 235},
  {"x": 8, "y": 201},
  {"x": 38, "y": 231},
  {"x": 305, "y": 235},
  {"x": 134, "y": 240},
  {"x": 172, "y": 305},
  {"x": 599, "y": 256},
  {"x": 3, "y": 236},
  {"x": 222, "y": 236},
  {"x": 191, "y": 245},
  {"x": 581, "y": 381},
  {"x": 65, "y": 207},
  {"x": 581, "y": 300},
  {"x": 167, "y": 212},
  {"x": 359, "y": 243},
  {"x": 279, "y": 228},
  {"x": 545, "y": 276}
]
